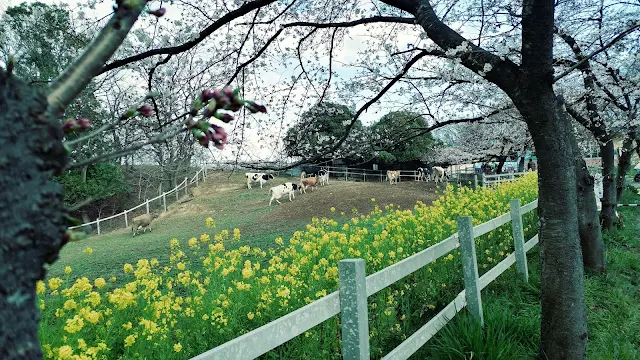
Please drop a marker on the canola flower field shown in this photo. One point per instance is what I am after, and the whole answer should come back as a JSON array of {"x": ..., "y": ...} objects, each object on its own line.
[{"x": 207, "y": 295}]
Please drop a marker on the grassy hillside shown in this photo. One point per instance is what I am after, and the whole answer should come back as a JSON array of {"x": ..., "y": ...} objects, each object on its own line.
[{"x": 225, "y": 198}]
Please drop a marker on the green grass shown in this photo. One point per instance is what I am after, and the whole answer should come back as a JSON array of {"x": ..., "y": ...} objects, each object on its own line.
[
  {"x": 512, "y": 312},
  {"x": 112, "y": 250}
]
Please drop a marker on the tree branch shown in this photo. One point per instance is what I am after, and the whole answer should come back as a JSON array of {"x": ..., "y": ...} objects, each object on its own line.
[
  {"x": 605, "y": 47},
  {"x": 504, "y": 73},
  {"x": 76, "y": 77},
  {"x": 225, "y": 19}
]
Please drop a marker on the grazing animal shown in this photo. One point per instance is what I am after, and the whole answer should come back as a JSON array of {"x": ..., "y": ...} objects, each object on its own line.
[
  {"x": 261, "y": 178},
  {"x": 324, "y": 176},
  {"x": 305, "y": 183},
  {"x": 423, "y": 174},
  {"x": 286, "y": 188},
  {"x": 439, "y": 174},
  {"x": 393, "y": 176},
  {"x": 142, "y": 222}
]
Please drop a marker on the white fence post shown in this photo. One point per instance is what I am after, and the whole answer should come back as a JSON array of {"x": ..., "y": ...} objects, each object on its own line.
[
  {"x": 164, "y": 201},
  {"x": 186, "y": 186},
  {"x": 475, "y": 181},
  {"x": 470, "y": 267},
  {"x": 177, "y": 190},
  {"x": 147, "y": 203},
  {"x": 518, "y": 239},
  {"x": 484, "y": 180},
  {"x": 353, "y": 309},
  {"x": 126, "y": 219},
  {"x": 346, "y": 174},
  {"x": 98, "y": 225}
]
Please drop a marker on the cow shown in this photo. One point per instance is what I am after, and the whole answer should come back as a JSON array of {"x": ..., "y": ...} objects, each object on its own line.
[{"x": 261, "y": 178}]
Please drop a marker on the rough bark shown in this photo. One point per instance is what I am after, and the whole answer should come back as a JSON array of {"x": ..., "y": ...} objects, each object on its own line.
[
  {"x": 31, "y": 212},
  {"x": 563, "y": 327},
  {"x": 591, "y": 242},
  {"x": 564, "y": 322},
  {"x": 624, "y": 162},
  {"x": 608, "y": 214}
]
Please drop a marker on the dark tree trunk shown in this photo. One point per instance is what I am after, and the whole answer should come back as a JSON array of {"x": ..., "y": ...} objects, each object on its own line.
[
  {"x": 624, "y": 162},
  {"x": 564, "y": 320},
  {"x": 501, "y": 161},
  {"x": 31, "y": 212},
  {"x": 591, "y": 242},
  {"x": 608, "y": 214},
  {"x": 564, "y": 325},
  {"x": 521, "y": 163},
  {"x": 563, "y": 328}
]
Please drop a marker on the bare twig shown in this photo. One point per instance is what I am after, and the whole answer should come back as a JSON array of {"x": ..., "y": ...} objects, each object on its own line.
[
  {"x": 225, "y": 19},
  {"x": 605, "y": 47},
  {"x": 76, "y": 77}
]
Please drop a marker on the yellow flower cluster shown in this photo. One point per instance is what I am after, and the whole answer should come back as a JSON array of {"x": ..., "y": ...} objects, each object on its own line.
[{"x": 207, "y": 294}]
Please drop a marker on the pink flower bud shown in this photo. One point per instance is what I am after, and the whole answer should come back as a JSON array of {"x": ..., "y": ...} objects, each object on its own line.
[
  {"x": 206, "y": 95},
  {"x": 84, "y": 124},
  {"x": 145, "y": 110},
  {"x": 159, "y": 13},
  {"x": 204, "y": 141},
  {"x": 69, "y": 126},
  {"x": 228, "y": 92}
]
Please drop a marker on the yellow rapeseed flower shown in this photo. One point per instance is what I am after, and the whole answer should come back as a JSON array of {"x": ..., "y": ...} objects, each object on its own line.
[
  {"x": 250, "y": 315},
  {"x": 67, "y": 270},
  {"x": 210, "y": 223},
  {"x": 177, "y": 347},
  {"x": 128, "y": 268},
  {"x": 88, "y": 251},
  {"x": 99, "y": 283},
  {"x": 65, "y": 352},
  {"x": 129, "y": 340},
  {"x": 40, "y": 288}
]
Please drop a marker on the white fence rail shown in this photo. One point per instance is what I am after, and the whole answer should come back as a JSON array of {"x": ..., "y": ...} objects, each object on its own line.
[
  {"x": 460, "y": 176},
  {"x": 355, "y": 287},
  {"x": 184, "y": 185}
]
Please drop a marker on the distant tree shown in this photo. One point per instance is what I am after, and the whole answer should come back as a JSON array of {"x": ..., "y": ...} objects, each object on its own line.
[
  {"x": 321, "y": 127},
  {"x": 43, "y": 40},
  {"x": 399, "y": 137}
]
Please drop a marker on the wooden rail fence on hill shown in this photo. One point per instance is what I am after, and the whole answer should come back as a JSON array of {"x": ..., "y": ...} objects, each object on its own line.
[
  {"x": 350, "y": 300},
  {"x": 184, "y": 185}
]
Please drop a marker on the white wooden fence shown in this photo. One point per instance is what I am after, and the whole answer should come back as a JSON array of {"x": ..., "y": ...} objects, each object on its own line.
[
  {"x": 354, "y": 287},
  {"x": 184, "y": 185},
  {"x": 461, "y": 176}
]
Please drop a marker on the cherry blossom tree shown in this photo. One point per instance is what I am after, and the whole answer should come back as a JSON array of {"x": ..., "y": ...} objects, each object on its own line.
[{"x": 431, "y": 58}]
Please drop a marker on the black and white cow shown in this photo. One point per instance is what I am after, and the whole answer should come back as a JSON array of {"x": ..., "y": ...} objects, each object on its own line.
[
  {"x": 286, "y": 188},
  {"x": 261, "y": 178},
  {"x": 424, "y": 174}
]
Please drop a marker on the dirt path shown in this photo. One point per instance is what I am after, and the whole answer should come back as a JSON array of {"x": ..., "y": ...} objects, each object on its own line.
[{"x": 345, "y": 196}]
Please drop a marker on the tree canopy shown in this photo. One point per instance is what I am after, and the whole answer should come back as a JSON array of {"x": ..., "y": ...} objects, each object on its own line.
[
  {"x": 320, "y": 127},
  {"x": 399, "y": 137}
]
